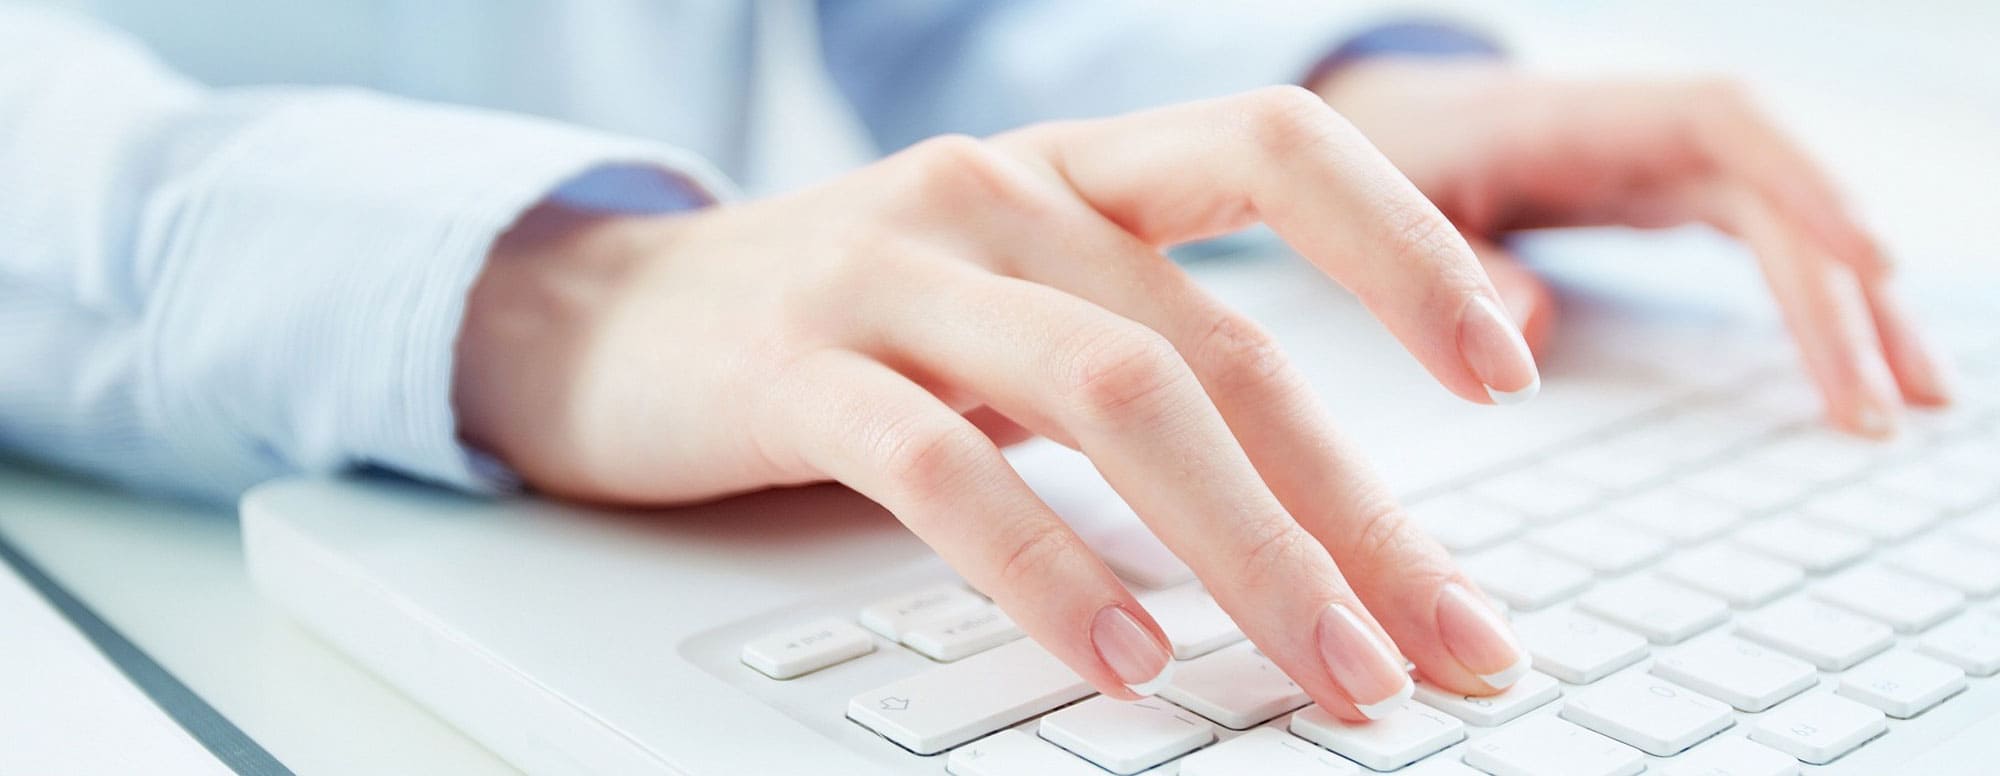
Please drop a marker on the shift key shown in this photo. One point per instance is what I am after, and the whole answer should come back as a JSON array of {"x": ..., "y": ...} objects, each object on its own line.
[{"x": 954, "y": 703}]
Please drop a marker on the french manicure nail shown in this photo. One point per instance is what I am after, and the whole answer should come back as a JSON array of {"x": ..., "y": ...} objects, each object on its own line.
[
  {"x": 1936, "y": 382},
  {"x": 1139, "y": 660},
  {"x": 1481, "y": 641},
  {"x": 1874, "y": 421},
  {"x": 1494, "y": 350},
  {"x": 1929, "y": 379},
  {"x": 1362, "y": 664}
]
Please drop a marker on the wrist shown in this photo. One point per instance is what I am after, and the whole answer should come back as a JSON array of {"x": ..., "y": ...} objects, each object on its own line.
[{"x": 530, "y": 318}]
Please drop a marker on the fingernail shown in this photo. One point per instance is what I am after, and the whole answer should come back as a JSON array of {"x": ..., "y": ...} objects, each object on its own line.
[
  {"x": 1929, "y": 379},
  {"x": 1139, "y": 660},
  {"x": 1493, "y": 349},
  {"x": 1364, "y": 666},
  {"x": 1475, "y": 634},
  {"x": 1935, "y": 380},
  {"x": 1873, "y": 420}
]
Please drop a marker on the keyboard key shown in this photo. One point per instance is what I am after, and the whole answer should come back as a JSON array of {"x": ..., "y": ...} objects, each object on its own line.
[
  {"x": 1138, "y": 557},
  {"x": 892, "y": 617},
  {"x": 1675, "y": 445},
  {"x": 1012, "y": 753},
  {"x": 1542, "y": 746},
  {"x": 1873, "y": 511},
  {"x": 1940, "y": 486},
  {"x": 1737, "y": 672},
  {"x": 1755, "y": 491},
  {"x": 1902, "y": 684},
  {"x": 1766, "y": 412},
  {"x": 1982, "y": 527},
  {"x": 1525, "y": 578},
  {"x": 1609, "y": 466},
  {"x": 1652, "y": 714},
  {"x": 1663, "y": 612},
  {"x": 1824, "y": 455},
  {"x": 956, "y": 702},
  {"x": 1934, "y": 425},
  {"x": 1680, "y": 516},
  {"x": 1604, "y": 546},
  {"x": 1126, "y": 737},
  {"x": 956, "y": 636},
  {"x": 1743, "y": 578},
  {"x": 1906, "y": 603},
  {"x": 1971, "y": 642},
  {"x": 1440, "y": 766},
  {"x": 1540, "y": 496},
  {"x": 1827, "y": 637},
  {"x": 1733, "y": 756},
  {"x": 1531, "y": 692},
  {"x": 1818, "y": 727},
  {"x": 1236, "y": 687},
  {"x": 807, "y": 648},
  {"x": 1265, "y": 751},
  {"x": 1406, "y": 736},
  {"x": 1974, "y": 571},
  {"x": 1463, "y": 524},
  {"x": 1578, "y": 649},
  {"x": 1194, "y": 623},
  {"x": 1815, "y": 546},
  {"x": 1969, "y": 457}
]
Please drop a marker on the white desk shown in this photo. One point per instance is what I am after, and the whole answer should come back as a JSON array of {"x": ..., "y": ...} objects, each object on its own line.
[
  {"x": 1902, "y": 102},
  {"x": 171, "y": 578}
]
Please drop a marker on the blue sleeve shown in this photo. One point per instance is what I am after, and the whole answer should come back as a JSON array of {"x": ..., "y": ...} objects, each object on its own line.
[
  {"x": 917, "y": 68},
  {"x": 202, "y": 289}
]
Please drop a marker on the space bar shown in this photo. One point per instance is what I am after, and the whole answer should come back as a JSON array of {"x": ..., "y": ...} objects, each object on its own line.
[{"x": 957, "y": 702}]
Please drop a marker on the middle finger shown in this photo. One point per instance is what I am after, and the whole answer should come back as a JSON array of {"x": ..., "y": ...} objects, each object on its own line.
[{"x": 1124, "y": 396}]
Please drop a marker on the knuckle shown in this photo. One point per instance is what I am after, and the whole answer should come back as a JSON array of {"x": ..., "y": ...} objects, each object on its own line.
[
  {"x": 1236, "y": 354},
  {"x": 1287, "y": 119},
  {"x": 954, "y": 167},
  {"x": 1420, "y": 236},
  {"x": 1127, "y": 375},
  {"x": 948, "y": 151},
  {"x": 1037, "y": 554},
  {"x": 1276, "y": 555},
  {"x": 1723, "y": 92},
  {"x": 925, "y": 462},
  {"x": 1383, "y": 540},
  {"x": 1722, "y": 111}
]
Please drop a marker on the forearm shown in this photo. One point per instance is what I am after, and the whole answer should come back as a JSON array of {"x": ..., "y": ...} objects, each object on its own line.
[{"x": 223, "y": 286}]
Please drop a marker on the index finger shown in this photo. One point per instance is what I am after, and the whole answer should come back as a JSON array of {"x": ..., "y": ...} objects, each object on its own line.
[{"x": 1283, "y": 157}]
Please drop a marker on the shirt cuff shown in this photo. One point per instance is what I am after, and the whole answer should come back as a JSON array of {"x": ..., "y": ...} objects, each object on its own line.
[{"x": 317, "y": 275}]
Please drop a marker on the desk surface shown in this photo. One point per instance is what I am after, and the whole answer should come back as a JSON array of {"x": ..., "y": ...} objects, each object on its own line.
[{"x": 171, "y": 576}]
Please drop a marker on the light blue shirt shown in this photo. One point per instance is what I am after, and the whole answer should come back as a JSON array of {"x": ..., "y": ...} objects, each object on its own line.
[{"x": 206, "y": 282}]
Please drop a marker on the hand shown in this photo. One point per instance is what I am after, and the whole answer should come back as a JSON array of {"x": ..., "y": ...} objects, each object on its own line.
[
  {"x": 844, "y": 333},
  {"x": 1499, "y": 150}
]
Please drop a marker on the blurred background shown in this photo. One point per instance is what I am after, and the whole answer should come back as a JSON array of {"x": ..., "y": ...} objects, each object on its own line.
[{"x": 1900, "y": 101}]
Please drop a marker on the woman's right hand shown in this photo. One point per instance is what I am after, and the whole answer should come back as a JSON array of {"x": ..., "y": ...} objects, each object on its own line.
[{"x": 846, "y": 332}]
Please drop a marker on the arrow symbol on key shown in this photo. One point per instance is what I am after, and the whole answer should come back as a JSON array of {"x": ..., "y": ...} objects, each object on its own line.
[{"x": 895, "y": 704}]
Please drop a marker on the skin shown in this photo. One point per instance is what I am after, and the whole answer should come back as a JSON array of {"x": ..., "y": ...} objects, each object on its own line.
[
  {"x": 889, "y": 329},
  {"x": 1499, "y": 151}
]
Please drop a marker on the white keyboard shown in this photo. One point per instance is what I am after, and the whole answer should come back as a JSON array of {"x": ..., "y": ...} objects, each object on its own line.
[{"x": 1716, "y": 586}]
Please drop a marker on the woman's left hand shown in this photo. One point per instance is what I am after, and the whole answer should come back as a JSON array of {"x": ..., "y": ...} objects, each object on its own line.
[{"x": 1500, "y": 150}]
